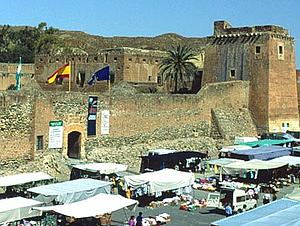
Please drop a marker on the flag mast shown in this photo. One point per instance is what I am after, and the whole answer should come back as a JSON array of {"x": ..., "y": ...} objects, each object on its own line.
[{"x": 70, "y": 76}]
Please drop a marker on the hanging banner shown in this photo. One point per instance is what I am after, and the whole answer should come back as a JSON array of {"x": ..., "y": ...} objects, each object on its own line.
[
  {"x": 55, "y": 134},
  {"x": 92, "y": 115},
  {"x": 105, "y": 122}
]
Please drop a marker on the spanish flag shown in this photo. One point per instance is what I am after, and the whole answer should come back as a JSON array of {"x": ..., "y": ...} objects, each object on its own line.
[{"x": 62, "y": 72}]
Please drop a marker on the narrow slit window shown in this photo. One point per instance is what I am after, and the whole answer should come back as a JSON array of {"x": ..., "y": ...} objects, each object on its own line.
[
  {"x": 280, "y": 49},
  {"x": 257, "y": 50},
  {"x": 232, "y": 73},
  {"x": 39, "y": 143}
]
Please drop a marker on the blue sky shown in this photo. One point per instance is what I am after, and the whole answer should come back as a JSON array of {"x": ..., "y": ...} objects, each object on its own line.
[{"x": 190, "y": 18}]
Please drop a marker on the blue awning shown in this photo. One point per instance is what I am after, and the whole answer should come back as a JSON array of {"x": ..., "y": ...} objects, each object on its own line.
[
  {"x": 262, "y": 153},
  {"x": 281, "y": 212}
]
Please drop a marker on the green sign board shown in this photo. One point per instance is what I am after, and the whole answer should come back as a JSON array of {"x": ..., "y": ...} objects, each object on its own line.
[{"x": 56, "y": 123}]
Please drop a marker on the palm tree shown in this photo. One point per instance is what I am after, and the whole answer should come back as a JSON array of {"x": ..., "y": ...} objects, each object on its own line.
[{"x": 177, "y": 66}]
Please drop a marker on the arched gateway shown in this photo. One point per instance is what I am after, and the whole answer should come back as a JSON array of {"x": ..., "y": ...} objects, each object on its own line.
[{"x": 74, "y": 145}]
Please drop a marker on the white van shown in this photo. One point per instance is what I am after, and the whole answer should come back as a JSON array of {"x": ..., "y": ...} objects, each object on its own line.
[{"x": 239, "y": 199}]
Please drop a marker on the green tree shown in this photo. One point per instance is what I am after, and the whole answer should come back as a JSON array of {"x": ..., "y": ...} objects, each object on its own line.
[
  {"x": 47, "y": 39},
  {"x": 177, "y": 66}
]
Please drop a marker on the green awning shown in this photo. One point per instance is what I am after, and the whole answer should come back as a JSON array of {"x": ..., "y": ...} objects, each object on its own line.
[{"x": 266, "y": 142}]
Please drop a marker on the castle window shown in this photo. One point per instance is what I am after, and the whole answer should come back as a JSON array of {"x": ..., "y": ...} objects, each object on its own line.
[
  {"x": 79, "y": 59},
  {"x": 39, "y": 143},
  {"x": 57, "y": 60},
  {"x": 115, "y": 59},
  {"x": 144, "y": 60},
  {"x": 232, "y": 73},
  {"x": 156, "y": 61},
  {"x": 257, "y": 49},
  {"x": 280, "y": 51},
  {"x": 159, "y": 80},
  {"x": 95, "y": 58},
  {"x": 129, "y": 59},
  {"x": 105, "y": 58},
  {"x": 87, "y": 60},
  {"x": 149, "y": 78}
]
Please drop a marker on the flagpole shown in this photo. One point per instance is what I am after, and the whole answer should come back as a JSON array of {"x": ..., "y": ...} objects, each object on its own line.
[{"x": 70, "y": 76}]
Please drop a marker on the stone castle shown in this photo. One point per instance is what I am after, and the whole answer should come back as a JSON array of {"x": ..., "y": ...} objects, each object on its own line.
[{"x": 246, "y": 69}]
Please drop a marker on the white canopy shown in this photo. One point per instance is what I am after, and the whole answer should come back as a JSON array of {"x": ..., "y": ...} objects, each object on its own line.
[
  {"x": 17, "y": 208},
  {"x": 71, "y": 191},
  {"x": 255, "y": 164},
  {"x": 23, "y": 178},
  {"x": 291, "y": 160},
  {"x": 162, "y": 180},
  {"x": 295, "y": 195},
  {"x": 223, "y": 161},
  {"x": 94, "y": 206},
  {"x": 103, "y": 168}
]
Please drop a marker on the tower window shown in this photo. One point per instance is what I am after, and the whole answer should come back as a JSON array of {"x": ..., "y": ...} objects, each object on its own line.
[
  {"x": 149, "y": 78},
  {"x": 39, "y": 143},
  {"x": 257, "y": 49},
  {"x": 280, "y": 49},
  {"x": 232, "y": 73}
]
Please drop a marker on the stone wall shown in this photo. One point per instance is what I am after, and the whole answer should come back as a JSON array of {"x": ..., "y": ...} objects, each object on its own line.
[
  {"x": 232, "y": 122},
  {"x": 252, "y": 54},
  {"x": 16, "y": 125},
  {"x": 133, "y": 118},
  {"x": 127, "y": 64},
  {"x": 8, "y": 74}
]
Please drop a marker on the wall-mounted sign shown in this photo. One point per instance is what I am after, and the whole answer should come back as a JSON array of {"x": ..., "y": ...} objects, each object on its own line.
[
  {"x": 92, "y": 115},
  {"x": 56, "y": 131},
  {"x": 105, "y": 122}
]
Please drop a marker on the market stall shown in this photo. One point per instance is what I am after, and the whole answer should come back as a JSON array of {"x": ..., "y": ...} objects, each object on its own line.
[
  {"x": 18, "y": 208},
  {"x": 162, "y": 180},
  {"x": 96, "y": 170},
  {"x": 277, "y": 213},
  {"x": 91, "y": 207},
  {"x": 290, "y": 160},
  {"x": 23, "y": 178},
  {"x": 16, "y": 185},
  {"x": 70, "y": 191},
  {"x": 99, "y": 206},
  {"x": 183, "y": 160},
  {"x": 261, "y": 171},
  {"x": 262, "y": 153}
]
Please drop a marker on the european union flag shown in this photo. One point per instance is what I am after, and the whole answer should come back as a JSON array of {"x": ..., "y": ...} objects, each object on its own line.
[{"x": 100, "y": 75}]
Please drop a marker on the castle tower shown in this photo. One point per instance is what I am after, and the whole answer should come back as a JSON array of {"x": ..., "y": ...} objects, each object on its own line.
[{"x": 264, "y": 55}]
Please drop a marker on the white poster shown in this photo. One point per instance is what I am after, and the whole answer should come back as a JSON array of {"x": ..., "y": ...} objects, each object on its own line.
[
  {"x": 55, "y": 134},
  {"x": 105, "y": 122}
]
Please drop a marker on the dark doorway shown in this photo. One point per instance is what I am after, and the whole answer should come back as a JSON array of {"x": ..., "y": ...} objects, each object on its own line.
[
  {"x": 74, "y": 145},
  {"x": 196, "y": 86}
]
